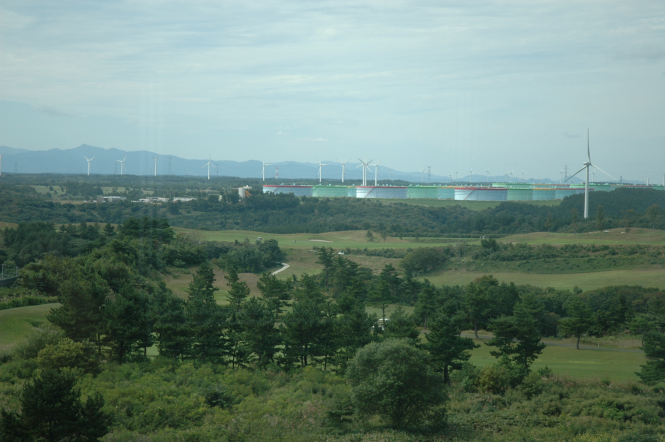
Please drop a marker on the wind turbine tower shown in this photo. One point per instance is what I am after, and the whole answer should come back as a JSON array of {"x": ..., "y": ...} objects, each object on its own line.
[
  {"x": 264, "y": 169},
  {"x": 321, "y": 171},
  {"x": 89, "y": 160},
  {"x": 155, "y": 158},
  {"x": 122, "y": 165},
  {"x": 376, "y": 169},
  {"x": 422, "y": 178},
  {"x": 587, "y": 165},
  {"x": 365, "y": 165},
  {"x": 343, "y": 167},
  {"x": 208, "y": 165},
  {"x": 429, "y": 174},
  {"x": 1, "y": 162}
]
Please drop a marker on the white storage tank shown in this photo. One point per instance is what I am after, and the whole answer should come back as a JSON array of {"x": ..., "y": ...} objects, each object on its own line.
[
  {"x": 296, "y": 190},
  {"x": 381, "y": 192},
  {"x": 481, "y": 194}
]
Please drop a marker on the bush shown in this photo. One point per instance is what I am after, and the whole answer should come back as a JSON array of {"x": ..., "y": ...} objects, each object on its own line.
[{"x": 394, "y": 380}]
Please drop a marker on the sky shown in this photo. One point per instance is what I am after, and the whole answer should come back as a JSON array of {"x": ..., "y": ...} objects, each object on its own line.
[{"x": 494, "y": 86}]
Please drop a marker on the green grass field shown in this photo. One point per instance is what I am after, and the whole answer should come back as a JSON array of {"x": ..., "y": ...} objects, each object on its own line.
[
  {"x": 613, "y": 365},
  {"x": 16, "y": 323},
  {"x": 586, "y": 281}
]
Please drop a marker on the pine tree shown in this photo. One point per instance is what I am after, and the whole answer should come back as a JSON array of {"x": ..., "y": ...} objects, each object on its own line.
[
  {"x": 578, "y": 321},
  {"x": 171, "y": 327},
  {"x": 380, "y": 294},
  {"x": 401, "y": 326},
  {"x": 205, "y": 319},
  {"x": 275, "y": 291},
  {"x": 654, "y": 349},
  {"x": 51, "y": 410},
  {"x": 258, "y": 330},
  {"x": 448, "y": 349},
  {"x": 125, "y": 322},
  {"x": 353, "y": 330}
]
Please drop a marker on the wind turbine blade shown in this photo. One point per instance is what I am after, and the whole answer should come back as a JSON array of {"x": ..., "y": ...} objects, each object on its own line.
[
  {"x": 361, "y": 161},
  {"x": 593, "y": 165},
  {"x": 575, "y": 173},
  {"x": 588, "y": 149}
]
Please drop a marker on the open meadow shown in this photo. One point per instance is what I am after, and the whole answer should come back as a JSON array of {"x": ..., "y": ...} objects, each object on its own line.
[{"x": 16, "y": 323}]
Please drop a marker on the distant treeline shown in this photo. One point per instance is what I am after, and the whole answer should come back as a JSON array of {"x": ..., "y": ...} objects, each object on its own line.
[{"x": 625, "y": 208}]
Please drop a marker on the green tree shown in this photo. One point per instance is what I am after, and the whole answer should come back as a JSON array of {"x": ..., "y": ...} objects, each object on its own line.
[
  {"x": 380, "y": 294},
  {"x": 353, "y": 330},
  {"x": 126, "y": 319},
  {"x": 396, "y": 381},
  {"x": 52, "y": 411},
  {"x": 258, "y": 330},
  {"x": 578, "y": 321},
  {"x": 426, "y": 305},
  {"x": 600, "y": 218},
  {"x": 518, "y": 337},
  {"x": 479, "y": 301},
  {"x": 654, "y": 349},
  {"x": 68, "y": 354},
  {"x": 174, "y": 335},
  {"x": 575, "y": 216},
  {"x": 275, "y": 291},
  {"x": 402, "y": 326},
  {"x": 80, "y": 314},
  {"x": 448, "y": 349},
  {"x": 652, "y": 214},
  {"x": 628, "y": 216},
  {"x": 369, "y": 236},
  {"x": 205, "y": 319}
]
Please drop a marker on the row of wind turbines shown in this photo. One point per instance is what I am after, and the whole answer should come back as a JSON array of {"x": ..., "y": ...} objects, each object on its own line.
[{"x": 122, "y": 164}]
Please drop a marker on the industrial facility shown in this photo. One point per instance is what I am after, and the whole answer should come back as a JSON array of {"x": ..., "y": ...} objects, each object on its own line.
[{"x": 490, "y": 192}]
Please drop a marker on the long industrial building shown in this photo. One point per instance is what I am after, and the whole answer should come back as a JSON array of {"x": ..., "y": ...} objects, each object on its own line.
[{"x": 493, "y": 192}]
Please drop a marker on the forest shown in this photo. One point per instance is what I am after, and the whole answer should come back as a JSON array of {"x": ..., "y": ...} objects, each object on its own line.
[{"x": 122, "y": 358}]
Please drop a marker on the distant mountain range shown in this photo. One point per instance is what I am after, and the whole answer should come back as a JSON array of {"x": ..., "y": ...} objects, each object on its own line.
[{"x": 105, "y": 162}]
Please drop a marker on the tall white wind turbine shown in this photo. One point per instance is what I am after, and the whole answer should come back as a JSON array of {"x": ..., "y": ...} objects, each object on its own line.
[
  {"x": 122, "y": 165},
  {"x": 208, "y": 165},
  {"x": 588, "y": 164},
  {"x": 321, "y": 171},
  {"x": 1, "y": 162},
  {"x": 422, "y": 178},
  {"x": 365, "y": 165},
  {"x": 155, "y": 158},
  {"x": 376, "y": 170},
  {"x": 89, "y": 160},
  {"x": 264, "y": 169},
  {"x": 343, "y": 167}
]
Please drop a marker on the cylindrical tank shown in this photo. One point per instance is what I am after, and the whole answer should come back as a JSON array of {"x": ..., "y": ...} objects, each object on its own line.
[
  {"x": 543, "y": 194},
  {"x": 422, "y": 192},
  {"x": 560, "y": 194},
  {"x": 519, "y": 194},
  {"x": 296, "y": 190},
  {"x": 446, "y": 193},
  {"x": 330, "y": 191},
  {"x": 481, "y": 193},
  {"x": 351, "y": 192},
  {"x": 381, "y": 192}
]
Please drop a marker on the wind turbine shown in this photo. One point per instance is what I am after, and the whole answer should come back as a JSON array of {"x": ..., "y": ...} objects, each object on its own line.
[
  {"x": 209, "y": 164},
  {"x": 390, "y": 176},
  {"x": 588, "y": 164},
  {"x": 1, "y": 162},
  {"x": 523, "y": 173},
  {"x": 511, "y": 175},
  {"x": 343, "y": 167},
  {"x": 376, "y": 169},
  {"x": 89, "y": 160},
  {"x": 365, "y": 165},
  {"x": 561, "y": 179},
  {"x": 422, "y": 180},
  {"x": 264, "y": 169},
  {"x": 155, "y": 158},
  {"x": 321, "y": 171},
  {"x": 471, "y": 175},
  {"x": 488, "y": 176},
  {"x": 122, "y": 165}
]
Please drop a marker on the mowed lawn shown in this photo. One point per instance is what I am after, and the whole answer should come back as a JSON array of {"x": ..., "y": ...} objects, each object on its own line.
[
  {"x": 585, "y": 281},
  {"x": 613, "y": 365},
  {"x": 16, "y": 323}
]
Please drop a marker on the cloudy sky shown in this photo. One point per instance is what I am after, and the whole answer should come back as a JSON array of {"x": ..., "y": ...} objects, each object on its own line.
[{"x": 456, "y": 85}]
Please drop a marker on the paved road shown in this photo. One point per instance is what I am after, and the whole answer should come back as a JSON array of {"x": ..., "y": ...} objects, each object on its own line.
[{"x": 286, "y": 266}]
